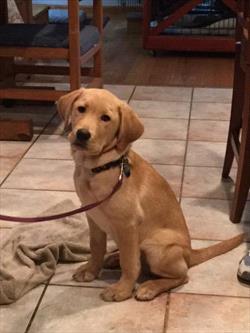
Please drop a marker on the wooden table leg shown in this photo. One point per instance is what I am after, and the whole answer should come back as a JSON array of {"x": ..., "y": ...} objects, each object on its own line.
[{"x": 11, "y": 129}]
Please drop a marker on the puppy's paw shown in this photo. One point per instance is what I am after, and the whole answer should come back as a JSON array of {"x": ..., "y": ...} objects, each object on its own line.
[
  {"x": 116, "y": 293},
  {"x": 145, "y": 293},
  {"x": 83, "y": 274}
]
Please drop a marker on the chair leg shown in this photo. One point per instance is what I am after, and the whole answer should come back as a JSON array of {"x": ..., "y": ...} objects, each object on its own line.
[
  {"x": 74, "y": 46},
  {"x": 236, "y": 112},
  {"x": 243, "y": 175},
  {"x": 241, "y": 189}
]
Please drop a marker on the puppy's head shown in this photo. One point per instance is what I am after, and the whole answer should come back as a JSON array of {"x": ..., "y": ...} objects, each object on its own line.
[{"x": 98, "y": 121}]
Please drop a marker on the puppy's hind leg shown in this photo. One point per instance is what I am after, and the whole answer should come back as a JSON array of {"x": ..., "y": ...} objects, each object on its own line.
[{"x": 167, "y": 262}]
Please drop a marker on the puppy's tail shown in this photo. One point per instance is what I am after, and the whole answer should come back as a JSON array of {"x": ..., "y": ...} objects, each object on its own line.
[{"x": 200, "y": 255}]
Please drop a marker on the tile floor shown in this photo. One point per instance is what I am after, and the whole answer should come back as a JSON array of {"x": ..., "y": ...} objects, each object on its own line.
[{"x": 185, "y": 134}]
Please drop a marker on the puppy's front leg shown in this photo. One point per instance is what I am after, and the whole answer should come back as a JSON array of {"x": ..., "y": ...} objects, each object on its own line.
[
  {"x": 98, "y": 245},
  {"x": 127, "y": 241}
]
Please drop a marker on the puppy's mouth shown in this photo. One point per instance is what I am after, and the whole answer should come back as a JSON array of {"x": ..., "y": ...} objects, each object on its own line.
[{"x": 79, "y": 145}]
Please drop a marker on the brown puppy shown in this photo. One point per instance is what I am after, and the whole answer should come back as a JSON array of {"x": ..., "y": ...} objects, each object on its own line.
[{"x": 143, "y": 217}]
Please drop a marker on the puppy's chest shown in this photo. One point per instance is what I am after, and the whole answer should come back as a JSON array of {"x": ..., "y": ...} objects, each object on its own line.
[{"x": 91, "y": 192}]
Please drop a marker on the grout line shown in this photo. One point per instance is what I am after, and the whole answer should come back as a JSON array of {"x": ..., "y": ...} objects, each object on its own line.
[
  {"x": 48, "y": 158},
  {"x": 186, "y": 146},
  {"x": 48, "y": 124},
  {"x": 209, "y": 119},
  {"x": 18, "y": 162},
  {"x": 209, "y": 198},
  {"x": 165, "y": 325},
  {"x": 132, "y": 94},
  {"x": 178, "y": 101},
  {"x": 22, "y": 156},
  {"x": 36, "y": 189},
  {"x": 75, "y": 286},
  {"x": 181, "y": 118},
  {"x": 36, "y": 309},
  {"x": 209, "y": 295}
]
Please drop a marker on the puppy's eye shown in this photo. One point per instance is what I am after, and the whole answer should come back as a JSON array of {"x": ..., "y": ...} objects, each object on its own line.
[
  {"x": 105, "y": 117},
  {"x": 81, "y": 109}
]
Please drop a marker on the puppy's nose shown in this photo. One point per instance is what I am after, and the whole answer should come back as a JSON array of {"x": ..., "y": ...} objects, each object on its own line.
[{"x": 83, "y": 135}]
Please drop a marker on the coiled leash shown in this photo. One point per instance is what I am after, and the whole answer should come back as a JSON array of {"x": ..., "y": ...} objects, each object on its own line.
[{"x": 124, "y": 170}]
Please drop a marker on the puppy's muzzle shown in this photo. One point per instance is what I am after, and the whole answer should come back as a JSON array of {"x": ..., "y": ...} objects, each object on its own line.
[{"x": 82, "y": 137}]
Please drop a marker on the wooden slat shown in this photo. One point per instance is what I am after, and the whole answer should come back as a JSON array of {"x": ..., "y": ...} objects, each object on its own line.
[
  {"x": 49, "y": 70},
  {"x": 31, "y": 94},
  {"x": 186, "y": 43},
  {"x": 88, "y": 55},
  {"x": 175, "y": 16},
  {"x": 98, "y": 22},
  {"x": 74, "y": 45},
  {"x": 34, "y": 52},
  {"x": 146, "y": 19},
  {"x": 16, "y": 130}
]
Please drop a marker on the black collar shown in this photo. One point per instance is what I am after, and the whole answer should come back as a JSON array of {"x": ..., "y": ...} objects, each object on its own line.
[{"x": 122, "y": 161}]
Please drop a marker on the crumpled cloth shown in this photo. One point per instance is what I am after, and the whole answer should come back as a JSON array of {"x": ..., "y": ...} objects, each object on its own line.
[{"x": 30, "y": 253}]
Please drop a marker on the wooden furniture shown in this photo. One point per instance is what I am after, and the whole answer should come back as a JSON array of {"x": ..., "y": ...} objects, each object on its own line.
[
  {"x": 238, "y": 144},
  {"x": 155, "y": 38},
  {"x": 71, "y": 53},
  {"x": 40, "y": 13}
]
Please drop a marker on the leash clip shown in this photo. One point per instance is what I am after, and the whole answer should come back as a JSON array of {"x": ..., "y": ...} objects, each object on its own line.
[
  {"x": 125, "y": 167},
  {"x": 121, "y": 171}
]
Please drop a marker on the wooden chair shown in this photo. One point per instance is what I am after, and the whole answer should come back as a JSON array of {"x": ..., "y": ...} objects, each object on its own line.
[
  {"x": 155, "y": 36},
  {"x": 238, "y": 144},
  {"x": 76, "y": 47}
]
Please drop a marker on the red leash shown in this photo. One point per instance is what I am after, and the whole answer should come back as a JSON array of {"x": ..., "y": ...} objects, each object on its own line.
[{"x": 70, "y": 213}]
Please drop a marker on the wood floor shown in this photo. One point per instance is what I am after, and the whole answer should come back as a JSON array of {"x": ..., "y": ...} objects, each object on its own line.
[{"x": 126, "y": 62}]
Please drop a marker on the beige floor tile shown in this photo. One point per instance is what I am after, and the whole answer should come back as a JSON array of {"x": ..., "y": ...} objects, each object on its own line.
[
  {"x": 173, "y": 175},
  {"x": 158, "y": 109},
  {"x": 14, "y": 149},
  {"x": 39, "y": 114},
  {"x": 64, "y": 274},
  {"x": 123, "y": 92},
  {"x": 217, "y": 276},
  {"x": 10, "y": 154},
  {"x": 40, "y": 174},
  {"x": 31, "y": 203},
  {"x": 6, "y": 167},
  {"x": 169, "y": 129},
  {"x": 208, "y": 314},
  {"x": 161, "y": 151},
  {"x": 209, "y": 219},
  {"x": 82, "y": 310},
  {"x": 200, "y": 153},
  {"x": 50, "y": 147},
  {"x": 15, "y": 317},
  {"x": 208, "y": 130},
  {"x": 213, "y": 95},
  {"x": 168, "y": 94},
  {"x": 211, "y": 111},
  {"x": 205, "y": 182}
]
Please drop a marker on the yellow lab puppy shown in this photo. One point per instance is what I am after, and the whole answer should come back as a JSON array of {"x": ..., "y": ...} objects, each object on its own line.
[{"x": 143, "y": 216}]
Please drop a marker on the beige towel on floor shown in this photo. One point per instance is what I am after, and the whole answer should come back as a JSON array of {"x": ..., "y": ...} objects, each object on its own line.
[{"x": 29, "y": 255}]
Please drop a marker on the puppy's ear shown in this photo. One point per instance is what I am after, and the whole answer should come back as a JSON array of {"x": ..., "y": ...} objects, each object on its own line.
[
  {"x": 65, "y": 104},
  {"x": 130, "y": 127}
]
